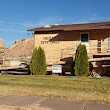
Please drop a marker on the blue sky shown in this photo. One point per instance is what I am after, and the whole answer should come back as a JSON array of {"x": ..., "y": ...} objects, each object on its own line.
[{"x": 16, "y": 16}]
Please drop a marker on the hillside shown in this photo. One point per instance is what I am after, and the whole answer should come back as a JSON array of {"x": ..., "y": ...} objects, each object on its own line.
[{"x": 20, "y": 50}]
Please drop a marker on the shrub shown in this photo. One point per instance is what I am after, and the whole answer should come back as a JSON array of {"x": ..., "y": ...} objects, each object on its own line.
[
  {"x": 81, "y": 61},
  {"x": 33, "y": 63},
  {"x": 41, "y": 62},
  {"x": 38, "y": 63}
]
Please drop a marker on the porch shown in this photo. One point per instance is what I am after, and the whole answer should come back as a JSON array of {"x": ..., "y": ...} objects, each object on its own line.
[{"x": 98, "y": 53}]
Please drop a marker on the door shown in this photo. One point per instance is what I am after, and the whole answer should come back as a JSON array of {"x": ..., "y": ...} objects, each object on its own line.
[{"x": 85, "y": 40}]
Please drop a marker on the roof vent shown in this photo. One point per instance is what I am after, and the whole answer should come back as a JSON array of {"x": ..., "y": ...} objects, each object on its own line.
[{"x": 47, "y": 26}]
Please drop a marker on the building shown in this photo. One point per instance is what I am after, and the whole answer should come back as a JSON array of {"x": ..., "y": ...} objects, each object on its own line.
[{"x": 60, "y": 43}]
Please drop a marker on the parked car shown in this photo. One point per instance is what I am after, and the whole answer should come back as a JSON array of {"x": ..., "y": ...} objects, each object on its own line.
[{"x": 23, "y": 64}]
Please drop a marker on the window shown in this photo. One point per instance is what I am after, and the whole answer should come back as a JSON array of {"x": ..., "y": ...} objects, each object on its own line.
[
  {"x": 99, "y": 43},
  {"x": 84, "y": 38}
]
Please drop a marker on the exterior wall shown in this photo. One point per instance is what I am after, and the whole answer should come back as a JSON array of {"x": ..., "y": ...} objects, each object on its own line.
[
  {"x": 10, "y": 63},
  {"x": 62, "y": 44},
  {"x": 6, "y": 63},
  {"x": 96, "y": 35},
  {"x": 54, "y": 43}
]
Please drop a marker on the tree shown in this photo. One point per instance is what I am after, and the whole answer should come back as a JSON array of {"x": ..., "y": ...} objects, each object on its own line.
[
  {"x": 41, "y": 62},
  {"x": 38, "y": 63},
  {"x": 81, "y": 61},
  {"x": 33, "y": 63}
]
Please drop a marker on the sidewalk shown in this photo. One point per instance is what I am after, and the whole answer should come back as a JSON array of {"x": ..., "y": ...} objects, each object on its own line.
[{"x": 37, "y": 103}]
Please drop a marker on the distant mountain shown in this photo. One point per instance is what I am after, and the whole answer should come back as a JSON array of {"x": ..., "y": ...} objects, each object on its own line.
[{"x": 20, "y": 50}]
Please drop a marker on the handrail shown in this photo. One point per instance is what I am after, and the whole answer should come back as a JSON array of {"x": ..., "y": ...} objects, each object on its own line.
[
  {"x": 92, "y": 48},
  {"x": 69, "y": 51}
]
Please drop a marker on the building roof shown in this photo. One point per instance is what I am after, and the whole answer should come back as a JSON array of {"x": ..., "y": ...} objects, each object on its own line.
[{"x": 70, "y": 27}]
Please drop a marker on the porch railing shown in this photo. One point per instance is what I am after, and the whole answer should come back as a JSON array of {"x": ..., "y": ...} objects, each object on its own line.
[
  {"x": 92, "y": 49},
  {"x": 68, "y": 52},
  {"x": 99, "y": 47}
]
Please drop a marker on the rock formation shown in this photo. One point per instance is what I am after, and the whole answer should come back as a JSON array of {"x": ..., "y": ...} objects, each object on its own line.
[
  {"x": 20, "y": 50},
  {"x": 2, "y": 45}
]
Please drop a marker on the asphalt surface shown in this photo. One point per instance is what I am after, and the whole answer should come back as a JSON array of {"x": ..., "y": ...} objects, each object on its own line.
[
  {"x": 51, "y": 104},
  {"x": 23, "y": 71}
]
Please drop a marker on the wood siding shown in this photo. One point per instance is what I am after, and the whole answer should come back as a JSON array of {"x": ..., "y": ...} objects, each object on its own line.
[{"x": 63, "y": 44}]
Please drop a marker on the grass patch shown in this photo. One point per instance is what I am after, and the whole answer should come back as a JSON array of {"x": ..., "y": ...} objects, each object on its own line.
[{"x": 81, "y": 89}]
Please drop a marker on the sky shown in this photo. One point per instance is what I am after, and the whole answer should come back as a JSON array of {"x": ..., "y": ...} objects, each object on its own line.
[{"x": 17, "y": 16}]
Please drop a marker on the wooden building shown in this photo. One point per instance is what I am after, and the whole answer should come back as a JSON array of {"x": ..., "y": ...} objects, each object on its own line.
[{"x": 60, "y": 43}]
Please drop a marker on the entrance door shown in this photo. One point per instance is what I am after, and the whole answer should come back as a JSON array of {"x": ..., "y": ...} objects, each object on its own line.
[{"x": 85, "y": 40}]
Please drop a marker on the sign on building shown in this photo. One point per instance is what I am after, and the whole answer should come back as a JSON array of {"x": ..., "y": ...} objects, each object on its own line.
[{"x": 56, "y": 68}]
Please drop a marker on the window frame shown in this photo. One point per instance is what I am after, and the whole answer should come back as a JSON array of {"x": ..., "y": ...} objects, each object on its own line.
[{"x": 88, "y": 36}]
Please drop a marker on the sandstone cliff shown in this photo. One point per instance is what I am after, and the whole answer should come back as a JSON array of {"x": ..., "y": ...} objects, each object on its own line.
[
  {"x": 2, "y": 45},
  {"x": 20, "y": 50}
]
